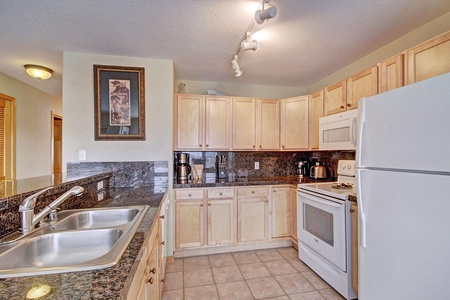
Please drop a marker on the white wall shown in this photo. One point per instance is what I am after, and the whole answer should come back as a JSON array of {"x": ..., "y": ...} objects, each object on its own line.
[
  {"x": 33, "y": 126},
  {"x": 241, "y": 90},
  {"x": 78, "y": 110}
]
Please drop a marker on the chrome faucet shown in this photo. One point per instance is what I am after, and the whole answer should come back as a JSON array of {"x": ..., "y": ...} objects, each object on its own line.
[{"x": 26, "y": 210}]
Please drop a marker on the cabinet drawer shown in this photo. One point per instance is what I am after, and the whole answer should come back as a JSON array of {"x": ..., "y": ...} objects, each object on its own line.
[
  {"x": 188, "y": 194},
  {"x": 256, "y": 192},
  {"x": 220, "y": 193}
]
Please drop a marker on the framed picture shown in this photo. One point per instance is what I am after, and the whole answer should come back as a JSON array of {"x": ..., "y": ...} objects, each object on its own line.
[{"x": 119, "y": 96}]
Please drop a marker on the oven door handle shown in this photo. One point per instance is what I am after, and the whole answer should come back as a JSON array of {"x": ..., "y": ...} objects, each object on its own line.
[{"x": 331, "y": 202}]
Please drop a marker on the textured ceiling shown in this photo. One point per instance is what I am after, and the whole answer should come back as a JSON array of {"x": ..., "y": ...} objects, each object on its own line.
[{"x": 307, "y": 41}]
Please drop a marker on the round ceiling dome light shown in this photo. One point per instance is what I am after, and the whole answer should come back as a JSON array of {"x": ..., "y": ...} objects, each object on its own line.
[{"x": 38, "y": 72}]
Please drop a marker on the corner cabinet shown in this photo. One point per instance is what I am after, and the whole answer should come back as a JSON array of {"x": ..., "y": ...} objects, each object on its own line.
[
  {"x": 335, "y": 98},
  {"x": 363, "y": 84},
  {"x": 316, "y": 112},
  {"x": 294, "y": 123}
]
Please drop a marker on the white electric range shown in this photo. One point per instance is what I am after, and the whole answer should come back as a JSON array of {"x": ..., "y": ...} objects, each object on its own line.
[{"x": 324, "y": 228}]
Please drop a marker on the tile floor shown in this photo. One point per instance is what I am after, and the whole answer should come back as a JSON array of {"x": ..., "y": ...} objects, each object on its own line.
[{"x": 260, "y": 274}]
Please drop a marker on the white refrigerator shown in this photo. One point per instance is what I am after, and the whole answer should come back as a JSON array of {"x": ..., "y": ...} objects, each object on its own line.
[{"x": 403, "y": 189}]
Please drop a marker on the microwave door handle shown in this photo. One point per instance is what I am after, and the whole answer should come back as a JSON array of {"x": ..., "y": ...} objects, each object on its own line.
[
  {"x": 324, "y": 202},
  {"x": 352, "y": 131}
]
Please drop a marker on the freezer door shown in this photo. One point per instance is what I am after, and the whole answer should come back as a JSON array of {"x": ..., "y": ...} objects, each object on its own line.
[
  {"x": 406, "y": 128},
  {"x": 405, "y": 218}
]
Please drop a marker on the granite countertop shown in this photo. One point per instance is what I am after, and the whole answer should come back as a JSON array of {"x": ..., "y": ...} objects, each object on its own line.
[
  {"x": 109, "y": 283},
  {"x": 276, "y": 180}
]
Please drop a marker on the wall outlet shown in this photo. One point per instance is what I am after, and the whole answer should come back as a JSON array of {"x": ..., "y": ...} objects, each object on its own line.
[
  {"x": 256, "y": 165},
  {"x": 99, "y": 185},
  {"x": 82, "y": 154}
]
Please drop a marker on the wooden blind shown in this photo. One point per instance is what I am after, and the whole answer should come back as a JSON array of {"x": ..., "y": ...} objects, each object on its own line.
[{"x": 2, "y": 139}]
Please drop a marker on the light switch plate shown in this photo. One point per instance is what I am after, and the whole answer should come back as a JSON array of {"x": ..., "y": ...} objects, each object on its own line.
[{"x": 256, "y": 165}]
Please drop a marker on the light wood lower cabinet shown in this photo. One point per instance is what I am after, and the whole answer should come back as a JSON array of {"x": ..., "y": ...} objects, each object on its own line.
[
  {"x": 221, "y": 222},
  {"x": 252, "y": 219},
  {"x": 190, "y": 220},
  {"x": 354, "y": 214},
  {"x": 281, "y": 211}
]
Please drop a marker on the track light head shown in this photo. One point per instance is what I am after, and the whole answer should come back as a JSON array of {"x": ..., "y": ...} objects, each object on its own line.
[
  {"x": 249, "y": 44},
  {"x": 266, "y": 14},
  {"x": 235, "y": 65}
]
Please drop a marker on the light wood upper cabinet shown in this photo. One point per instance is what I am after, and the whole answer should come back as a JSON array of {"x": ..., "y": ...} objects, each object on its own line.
[
  {"x": 363, "y": 84},
  {"x": 294, "y": 123},
  {"x": 221, "y": 222},
  {"x": 335, "y": 98},
  {"x": 316, "y": 113},
  {"x": 428, "y": 59},
  {"x": 268, "y": 124},
  {"x": 281, "y": 211},
  {"x": 244, "y": 124},
  {"x": 391, "y": 73},
  {"x": 217, "y": 123},
  {"x": 189, "y": 118}
]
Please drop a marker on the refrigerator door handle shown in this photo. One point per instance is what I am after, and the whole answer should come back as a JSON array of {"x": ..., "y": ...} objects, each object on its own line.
[
  {"x": 361, "y": 209},
  {"x": 361, "y": 122}
]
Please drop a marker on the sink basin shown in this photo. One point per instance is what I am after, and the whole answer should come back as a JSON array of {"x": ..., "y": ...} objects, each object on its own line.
[
  {"x": 80, "y": 240},
  {"x": 90, "y": 219}
]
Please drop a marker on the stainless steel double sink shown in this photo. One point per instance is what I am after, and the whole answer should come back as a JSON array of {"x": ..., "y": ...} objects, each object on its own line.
[{"x": 80, "y": 240}]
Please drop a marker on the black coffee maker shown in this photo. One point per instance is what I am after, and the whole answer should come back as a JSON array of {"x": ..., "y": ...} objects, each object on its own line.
[
  {"x": 302, "y": 168},
  {"x": 221, "y": 164},
  {"x": 182, "y": 167}
]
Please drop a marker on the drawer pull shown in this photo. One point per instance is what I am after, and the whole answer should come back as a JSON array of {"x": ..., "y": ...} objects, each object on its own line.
[
  {"x": 342, "y": 106},
  {"x": 349, "y": 105},
  {"x": 220, "y": 194},
  {"x": 189, "y": 195},
  {"x": 201, "y": 205},
  {"x": 200, "y": 145},
  {"x": 163, "y": 243},
  {"x": 150, "y": 280},
  {"x": 253, "y": 192},
  {"x": 162, "y": 217},
  {"x": 209, "y": 204},
  {"x": 207, "y": 145},
  {"x": 267, "y": 201},
  {"x": 153, "y": 270},
  {"x": 352, "y": 210},
  {"x": 274, "y": 191}
]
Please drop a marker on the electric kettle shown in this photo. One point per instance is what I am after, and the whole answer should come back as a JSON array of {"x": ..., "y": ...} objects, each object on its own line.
[{"x": 318, "y": 171}]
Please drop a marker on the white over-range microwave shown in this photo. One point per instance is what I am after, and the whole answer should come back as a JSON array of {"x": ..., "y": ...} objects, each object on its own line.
[{"x": 339, "y": 131}]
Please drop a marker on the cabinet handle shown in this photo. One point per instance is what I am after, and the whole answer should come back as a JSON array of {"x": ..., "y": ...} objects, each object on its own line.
[
  {"x": 220, "y": 194},
  {"x": 342, "y": 106},
  {"x": 352, "y": 210},
  {"x": 349, "y": 105},
  {"x": 162, "y": 217},
  {"x": 150, "y": 280},
  {"x": 201, "y": 205},
  {"x": 163, "y": 243},
  {"x": 153, "y": 270},
  {"x": 253, "y": 192}
]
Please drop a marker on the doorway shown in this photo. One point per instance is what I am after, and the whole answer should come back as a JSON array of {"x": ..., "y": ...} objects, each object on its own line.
[
  {"x": 56, "y": 143},
  {"x": 7, "y": 137}
]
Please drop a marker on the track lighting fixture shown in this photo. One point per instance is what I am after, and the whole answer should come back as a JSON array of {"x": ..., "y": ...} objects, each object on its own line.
[
  {"x": 235, "y": 65},
  {"x": 249, "y": 44},
  {"x": 265, "y": 14}
]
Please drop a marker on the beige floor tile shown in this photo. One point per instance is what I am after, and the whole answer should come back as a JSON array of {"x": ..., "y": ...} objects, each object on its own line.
[
  {"x": 315, "y": 280},
  {"x": 234, "y": 291},
  {"x": 279, "y": 267},
  {"x": 265, "y": 287},
  {"x": 294, "y": 283},
  {"x": 227, "y": 274},
  {"x": 246, "y": 257},
  {"x": 172, "y": 295},
  {"x": 173, "y": 281},
  {"x": 314, "y": 295},
  {"x": 207, "y": 292},
  {"x": 288, "y": 252},
  {"x": 196, "y": 262},
  {"x": 298, "y": 265},
  {"x": 277, "y": 298},
  {"x": 268, "y": 254},
  {"x": 176, "y": 266},
  {"x": 254, "y": 270},
  {"x": 221, "y": 260},
  {"x": 198, "y": 277},
  {"x": 331, "y": 294}
]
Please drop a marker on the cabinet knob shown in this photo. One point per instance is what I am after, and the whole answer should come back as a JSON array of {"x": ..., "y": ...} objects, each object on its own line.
[
  {"x": 267, "y": 201},
  {"x": 253, "y": 146},
  {"x": 207, "y": 145},
  {"x": 189, "y": 195},
  {"x": 163, "y": 280},
  {"x": 153, "y": 270},
  {"x": 352, "y": 210},
  {"x": 349, "y": 105},
  {"x": 150, "y": 280},
  {"x": 260, "y": 146},
  {"x": 201, "y": 205},
  {"x": 282, "y": 146},
  {"x": 209, "y": 204},
  {"x": 274, "y": 191},
  {"x": 162, "y": 217},
  {"x": 163, "y": 243},
  {"x": 200, "y": 145},
  {"x": 253, "y": 192},
  {"x": 342, "y": 106},
  {"x": 220, "y": 194}
]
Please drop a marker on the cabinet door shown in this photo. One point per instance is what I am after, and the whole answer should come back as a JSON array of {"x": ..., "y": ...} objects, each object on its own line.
[
  {"x": 189, "y": 122},
  {"x": 429, "y": 59},
  {"x": 221, "y": 222},
  {"x": 294, "y": 123},
  {"x": 363, "y": 84},
  {"x": 354, "y": 214},
  {"x": 315, "y": 115},
  {"x": 268, "y": 124},
  {"x": 244, "y": 124},
  {"x": 335, "y": 98},
  {"x": 391, "y": 73},
  {"x": 189, "y": 224},
  {"x": 217, "y": 123},
  {"x": 152, "y": 282},
  {"x": 252, "y": 219},
  {"x": 281, "y": 212},
  {"x": 294, "y": 214}
]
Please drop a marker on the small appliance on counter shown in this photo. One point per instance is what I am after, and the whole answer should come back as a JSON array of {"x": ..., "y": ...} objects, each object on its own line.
[
  {"x": 319, "y": 171},
  {"x": 221, "y": 163},
  {"x": 182, "y": 167},
  {"x": 302, "y": 168}
]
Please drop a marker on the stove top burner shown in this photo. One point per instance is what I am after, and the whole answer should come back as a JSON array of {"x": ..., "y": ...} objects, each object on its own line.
[{"x": 342, "y": 185}]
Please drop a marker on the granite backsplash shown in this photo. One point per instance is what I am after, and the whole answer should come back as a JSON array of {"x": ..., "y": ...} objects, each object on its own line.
[{"x": 271, "y": 164}]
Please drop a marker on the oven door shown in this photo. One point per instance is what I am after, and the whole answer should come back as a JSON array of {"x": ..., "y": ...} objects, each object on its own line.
[{"x": 321, "y": 226}]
